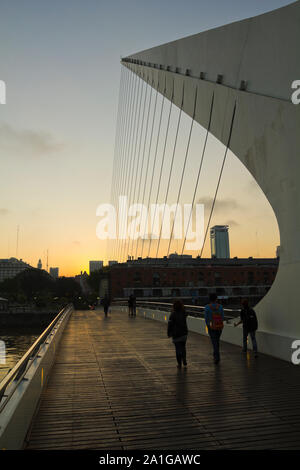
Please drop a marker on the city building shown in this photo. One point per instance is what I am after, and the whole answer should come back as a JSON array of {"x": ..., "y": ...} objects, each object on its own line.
[
  {"x": 9, "y": 268},
  {"x": 104, "y": 288},
  {"x": 95, "y": 266},
  {"x": 219, "y": 241},
  {"x": 39, "y": 265},
  {"x": 111, "y": 263},
  {"x": 82, "y": 280},
  {"x": 194, "y": 278},
  {"x": 54, "y": 272},
  {"x": 176, "y": 255}
]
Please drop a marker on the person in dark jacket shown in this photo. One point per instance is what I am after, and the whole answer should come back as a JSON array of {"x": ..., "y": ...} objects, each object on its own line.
[
  {"x": 132, "y": 306},
  {"x": 177, "y": 329},
  {"x": 249, "y": 321},
  {"x": 106, "y": 304}
]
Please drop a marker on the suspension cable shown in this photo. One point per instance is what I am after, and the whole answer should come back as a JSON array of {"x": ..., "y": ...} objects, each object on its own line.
[
  {"x": 144, "y": 150},
  {"x": 162, "y": 163},
  {"x": 183, "y": 169},
  {"x": 128, "y": 154},
  {"x": 122, "y": 143},
  {"x": 156, "y": 149},
  {"x": 220, "y": 176},
  {"x": 127, "y": 128},
  {"x": 131, "y": 242},
  {"x": 120, "y": 125},
  {"x": 135, "y": 139},
  {"x": 199, "y": 171},
  {"x": 148, "y": 159},
  {"x": 116, "y": 148},
  {"x": 123, "y": 135},
  {"x": 171, "y": 169}
]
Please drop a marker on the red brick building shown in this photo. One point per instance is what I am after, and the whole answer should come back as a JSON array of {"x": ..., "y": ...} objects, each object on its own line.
[{"x": 193, "y": 277}]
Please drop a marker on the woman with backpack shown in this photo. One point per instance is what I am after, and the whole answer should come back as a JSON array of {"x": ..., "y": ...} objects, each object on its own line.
[
  {"x": 249, "y": 321},
  {"x": 177, "y": 329}
]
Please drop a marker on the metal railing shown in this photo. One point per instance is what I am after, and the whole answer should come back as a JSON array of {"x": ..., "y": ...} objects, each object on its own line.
[
  {"x": 17, "y": 373},
  {"x": 192, "y": 310}
]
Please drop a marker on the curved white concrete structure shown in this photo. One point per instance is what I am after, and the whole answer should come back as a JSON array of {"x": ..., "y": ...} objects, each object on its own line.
[{"x": 262, "y": 52}]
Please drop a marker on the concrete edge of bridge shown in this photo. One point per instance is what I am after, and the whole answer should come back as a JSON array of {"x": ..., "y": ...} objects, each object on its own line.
[{"x": 16, "y": 417}]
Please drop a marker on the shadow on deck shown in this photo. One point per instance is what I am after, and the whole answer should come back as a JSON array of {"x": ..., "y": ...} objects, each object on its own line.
[{"x": 115, "y": 385}]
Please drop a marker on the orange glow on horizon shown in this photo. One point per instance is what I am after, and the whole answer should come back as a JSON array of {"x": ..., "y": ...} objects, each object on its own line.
[{"x": 72, "y": 267}]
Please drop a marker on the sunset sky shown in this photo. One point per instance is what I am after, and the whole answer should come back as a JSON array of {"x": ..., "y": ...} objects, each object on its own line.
[{"x": 60, "y": 61}]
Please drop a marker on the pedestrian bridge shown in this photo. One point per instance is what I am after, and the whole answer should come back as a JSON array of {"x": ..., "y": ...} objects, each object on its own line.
[
  {"x": 114, "y": 384},
  {"x": 236, "y": 81}
]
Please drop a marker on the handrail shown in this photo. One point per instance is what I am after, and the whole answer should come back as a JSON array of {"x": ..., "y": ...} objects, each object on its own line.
[
  {"x": 19, "y": 370},
  {"x": 170, "y": 305}
]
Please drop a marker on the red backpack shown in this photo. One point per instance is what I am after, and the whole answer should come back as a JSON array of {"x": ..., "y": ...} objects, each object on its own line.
[{"x": 216, "y": 318}]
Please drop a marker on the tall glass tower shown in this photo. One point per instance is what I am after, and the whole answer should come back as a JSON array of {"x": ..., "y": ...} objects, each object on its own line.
[{"x": 219, "y": 241}]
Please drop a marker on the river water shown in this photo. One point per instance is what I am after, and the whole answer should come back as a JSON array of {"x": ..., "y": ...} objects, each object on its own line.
[{"x": 14, "y": 342}]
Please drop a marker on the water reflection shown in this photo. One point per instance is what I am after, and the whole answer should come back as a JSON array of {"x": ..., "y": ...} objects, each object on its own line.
[{"x": 16, "y": 341}]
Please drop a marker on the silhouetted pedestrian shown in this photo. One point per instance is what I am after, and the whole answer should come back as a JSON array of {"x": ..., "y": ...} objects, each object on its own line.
[
  {"x": 106, "y": 304},
  {"x": 132, "y": 305},
  {"x": 177, "y": 329},
  {"x": 214, "y": 318},
  {"x": 249, "y": 321}
]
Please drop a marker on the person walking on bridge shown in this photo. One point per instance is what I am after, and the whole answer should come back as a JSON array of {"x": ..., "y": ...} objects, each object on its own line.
[
  {"x": 214, "y": 318},
  {"x": 249, "y": 321},
  {"x": 106, "y": 304},
  {"x": 177, "y": 329},
  {"x": 132, "y": 306}
]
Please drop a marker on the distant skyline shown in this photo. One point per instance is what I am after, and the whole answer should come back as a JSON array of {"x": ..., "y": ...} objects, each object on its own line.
[{"x": 60, "y": 61}]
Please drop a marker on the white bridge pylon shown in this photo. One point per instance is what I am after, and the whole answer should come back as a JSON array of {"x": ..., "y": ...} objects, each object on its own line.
[{"x": 252, "y": 63}]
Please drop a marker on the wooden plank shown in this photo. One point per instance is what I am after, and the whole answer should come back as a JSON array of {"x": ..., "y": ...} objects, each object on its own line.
[{"x": 115, "y": 385}]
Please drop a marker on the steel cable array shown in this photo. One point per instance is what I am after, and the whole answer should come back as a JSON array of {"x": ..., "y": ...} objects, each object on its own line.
[{"x": 130, "y": 155}]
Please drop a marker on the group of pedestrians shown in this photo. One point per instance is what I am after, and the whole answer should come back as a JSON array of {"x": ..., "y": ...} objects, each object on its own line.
[
  {"x": 131, "y": 305},
  {"x": 214, "y": 320}
]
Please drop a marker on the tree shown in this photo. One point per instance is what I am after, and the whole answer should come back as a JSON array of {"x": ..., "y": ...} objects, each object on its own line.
[
  {"x": 94, "y": 281},
  {"x": 67, "y": 287},
  {"x": 27, "y": 285}
]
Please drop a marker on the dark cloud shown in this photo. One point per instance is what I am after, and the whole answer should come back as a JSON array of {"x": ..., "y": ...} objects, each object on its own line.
[
  {"x": 232, "y": 223},
  {"x": 23, "y": 142},
  {"x": 147, "y": 237},
  {"x": 221, "y": 205}
]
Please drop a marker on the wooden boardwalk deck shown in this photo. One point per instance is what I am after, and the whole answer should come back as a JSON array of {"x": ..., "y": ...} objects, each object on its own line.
[{"x": 115, "y": 385}]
